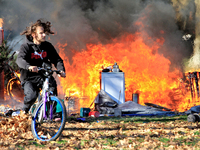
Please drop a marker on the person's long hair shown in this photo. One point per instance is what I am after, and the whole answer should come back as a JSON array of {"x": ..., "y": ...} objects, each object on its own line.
[{"x": 32, "y": 28}]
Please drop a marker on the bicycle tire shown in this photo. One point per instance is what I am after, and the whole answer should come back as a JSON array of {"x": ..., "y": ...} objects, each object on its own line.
[
  {"x": 48, "y": 129},
  {"x": 15, "y": 91}
]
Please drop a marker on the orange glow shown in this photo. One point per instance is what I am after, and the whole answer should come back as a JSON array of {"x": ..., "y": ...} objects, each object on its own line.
[
  {"x": 17, "y": 95},
  {"x": 1, "y": 22},
  {"x": 146, "y": 73},
  {"x": 18, "y": 74}
]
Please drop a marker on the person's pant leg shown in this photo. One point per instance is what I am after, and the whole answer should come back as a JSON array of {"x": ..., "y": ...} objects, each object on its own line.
[
  {"x": 53, "y": 85},
  {"x": 31, "y": 93},
  {"x": 53, "y": 88}
]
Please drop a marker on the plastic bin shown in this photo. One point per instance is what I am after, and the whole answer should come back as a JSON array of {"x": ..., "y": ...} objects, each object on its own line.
[{"x": 84, "y": 112}]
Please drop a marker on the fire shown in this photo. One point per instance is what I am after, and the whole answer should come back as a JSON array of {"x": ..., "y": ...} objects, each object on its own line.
[
  {"x": 18, "y": 74},
  {"x": 146, "y": 72},
  {"x": 1, "y": 22}
]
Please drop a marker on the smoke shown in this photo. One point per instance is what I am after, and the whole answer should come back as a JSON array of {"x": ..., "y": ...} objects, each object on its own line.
[
  {"x": 78, "y": 22},
  {"x": 160, "y": 22}
]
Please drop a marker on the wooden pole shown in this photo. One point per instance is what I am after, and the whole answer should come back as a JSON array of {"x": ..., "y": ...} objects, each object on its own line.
[{"x": 1, "y": 73}]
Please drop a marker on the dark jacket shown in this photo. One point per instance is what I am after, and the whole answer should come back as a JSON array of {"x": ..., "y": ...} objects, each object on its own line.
[{"x": 31, "y": 54}]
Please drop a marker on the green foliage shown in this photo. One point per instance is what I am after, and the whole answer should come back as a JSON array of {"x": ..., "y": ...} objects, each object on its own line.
[
  {"x": 4, "y": 52},
  {"x": 13, "y": 64}
]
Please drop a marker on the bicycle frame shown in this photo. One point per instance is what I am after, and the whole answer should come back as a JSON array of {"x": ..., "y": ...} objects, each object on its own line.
[
  {"x": 45, "y": 97},
  {"x": 43, "y": 125}
]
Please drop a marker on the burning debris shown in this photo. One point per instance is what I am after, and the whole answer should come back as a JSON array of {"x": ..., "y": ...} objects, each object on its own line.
[
  {"x": 149, "y": 49},
  {"x": 108, "y": 101},
  {"x": 72, "y": 105},
  {"x": 193, "y": 84}
]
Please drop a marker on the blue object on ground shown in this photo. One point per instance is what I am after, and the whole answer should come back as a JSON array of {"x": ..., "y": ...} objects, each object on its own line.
[
  {"x": 81, "y": 119},
  {"x": 194, "y": 109},
  {"x": 15, "y": 113},
  {"x": 84, "y": 112}
]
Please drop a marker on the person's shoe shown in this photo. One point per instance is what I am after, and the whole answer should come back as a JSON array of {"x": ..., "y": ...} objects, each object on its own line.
[{"x": 24, "y": 114}]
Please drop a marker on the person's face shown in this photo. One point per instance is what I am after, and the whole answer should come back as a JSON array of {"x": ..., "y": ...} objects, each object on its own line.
[{"x": 39, "y": 36}]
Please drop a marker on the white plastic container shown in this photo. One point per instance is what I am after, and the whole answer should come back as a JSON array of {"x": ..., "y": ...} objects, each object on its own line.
[{"x": 113, "y": 83}]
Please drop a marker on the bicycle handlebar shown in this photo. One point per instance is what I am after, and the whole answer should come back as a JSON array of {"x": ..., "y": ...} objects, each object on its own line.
[{"x": 47, "y": 70}]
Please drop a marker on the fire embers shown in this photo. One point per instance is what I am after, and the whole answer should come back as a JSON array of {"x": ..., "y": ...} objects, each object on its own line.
[{"x": 194, "y": 83}]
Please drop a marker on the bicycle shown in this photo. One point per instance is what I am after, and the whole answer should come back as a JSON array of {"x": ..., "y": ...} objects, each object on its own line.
[
  {"x": 13, "y": 87},
  {"x": 44, "y": 125}
]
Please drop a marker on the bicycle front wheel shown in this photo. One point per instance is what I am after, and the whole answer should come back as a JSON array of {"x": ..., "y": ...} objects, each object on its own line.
[
  {"x": 15, "y": 91},
  {"x": 48, "y": 121}
]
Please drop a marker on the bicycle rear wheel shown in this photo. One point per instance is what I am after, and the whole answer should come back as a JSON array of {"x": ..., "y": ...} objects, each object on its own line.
[
  {"x": 14, "y": 90},
  {"x": 47, "y": 128}
]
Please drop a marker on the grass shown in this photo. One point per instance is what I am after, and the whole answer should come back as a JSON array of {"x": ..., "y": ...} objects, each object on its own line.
[
  {"x": 196, "y": 133},
  {"x": 164, "y": 140},
  {"x": 62, "y": 141},
  {"x": 111, "y": 132},
  {"x": 131, "y": 119}
]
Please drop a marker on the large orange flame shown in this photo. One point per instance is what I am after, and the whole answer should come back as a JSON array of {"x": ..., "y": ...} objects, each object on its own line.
[{"x": 146, "y": 71}]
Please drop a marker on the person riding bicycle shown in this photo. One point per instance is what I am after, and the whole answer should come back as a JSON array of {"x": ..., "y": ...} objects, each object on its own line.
[{"x": 33, "y": 54}]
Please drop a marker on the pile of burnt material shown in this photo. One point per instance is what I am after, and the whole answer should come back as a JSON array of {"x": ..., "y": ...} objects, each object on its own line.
[
  {"x": 193, "y": 82},
  {"x": 72, "y": 105}
]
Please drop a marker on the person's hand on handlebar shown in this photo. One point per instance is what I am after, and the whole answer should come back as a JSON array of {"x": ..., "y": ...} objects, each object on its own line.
[
  {"x": 62, "y": 74},
  {"x": 33, "y": 68},
  {"x": 36, "y": 69}
]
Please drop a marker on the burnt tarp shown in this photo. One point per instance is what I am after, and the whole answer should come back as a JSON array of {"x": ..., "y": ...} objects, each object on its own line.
[
  {"x": 194, "y": 109},
  {"x": 105, "y": 105},
  {"x": 133, "y": 107},
  {"x": 136, "y": 109}
]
